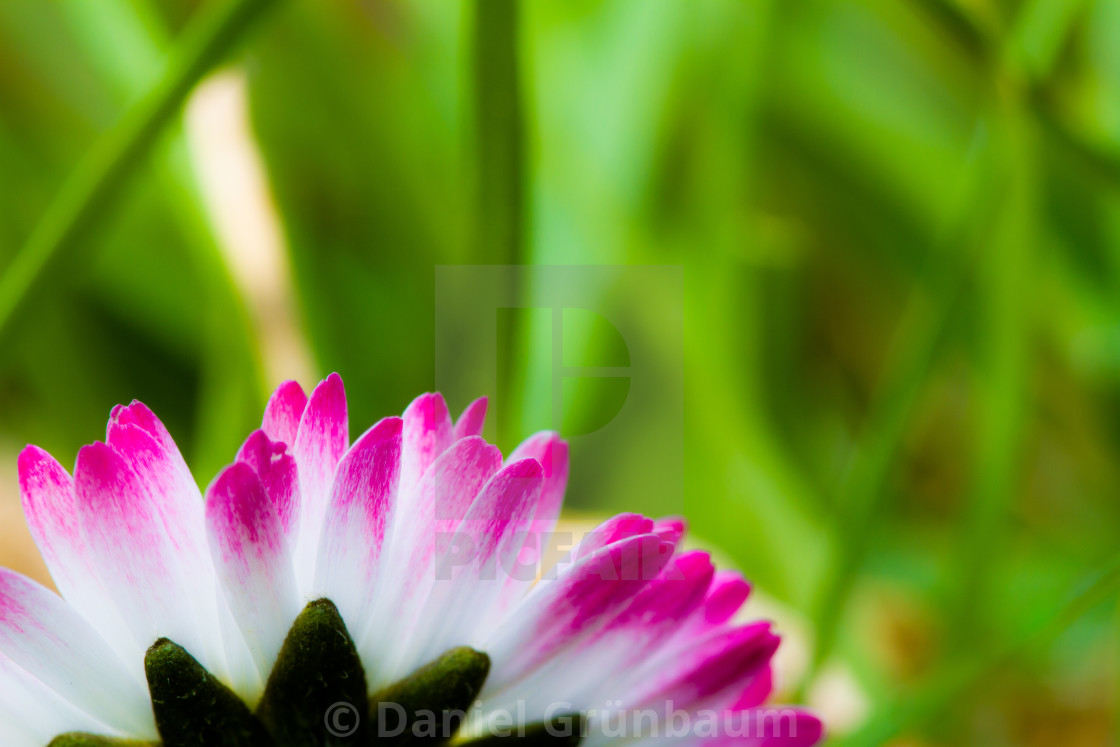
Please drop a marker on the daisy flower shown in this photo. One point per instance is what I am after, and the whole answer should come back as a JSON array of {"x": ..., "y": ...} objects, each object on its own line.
[{"x": 405, "y": 587}]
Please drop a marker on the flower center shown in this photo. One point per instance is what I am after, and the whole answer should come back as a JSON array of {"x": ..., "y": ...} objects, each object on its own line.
[{"x": 315, "y": 695}]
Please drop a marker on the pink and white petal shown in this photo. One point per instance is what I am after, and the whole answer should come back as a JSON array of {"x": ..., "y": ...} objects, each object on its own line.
[
  {"x": 438, "y": 504},
  {"x": 242, "y": 673},
  {"x": 757, "y": 691},
  {"x": 283, "y": 413},
  {"x": 32, "y": 714},
  {"x": 428, "y": 432},
  {"x": 706, "y": 674},
  {"x": 125, "y": 543},
  {"x": 504, "y": 507},
  {"x": 669, "y": 600},
  {"x": 728, "y": 593},
  {"x": 253, "y": 562},
  {"x": 635, "y": 635},
  {"x": 144, "y": 444},
  {"x": 44, "y": 636},
  {"x": 551, "y": 452},
  {"x": 472, "y": 421},
  {"x": 138, "y": 414},
  {"x": 435, "y": 507},
  {"x": 278, "y": 473},
  {"x": 701, "y": 681},
  {"x": 322, "y": 440},
  {"x": 357, "y": 523},
  {"x": 138, "y": 435},
  {"x": 472, "y": 563},
  {"x": 560, "y": 613},
  {"x": 166, "y": 477},
  {"x": 50, "y": 507},
  {"x": 612, "y": 530},
  {"x": 671, "y": 529},
  {"x": 726, "y": 596}
]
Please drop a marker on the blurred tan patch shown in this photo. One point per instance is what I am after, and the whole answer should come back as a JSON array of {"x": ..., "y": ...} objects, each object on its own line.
[
  {"x": 899, "y": 630},
  {"x": 240, "y": 205},
  {"x": 839, "y": 700}
]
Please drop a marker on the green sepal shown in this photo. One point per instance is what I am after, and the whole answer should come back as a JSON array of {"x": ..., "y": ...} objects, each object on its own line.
[
  {"x": 92, "y": 740},
  {"x": 566, "y": 731},
  {"x": 446, "y": 688},
  {"x": 318, "y": 678},
  {"x": 192, "y": 708}
]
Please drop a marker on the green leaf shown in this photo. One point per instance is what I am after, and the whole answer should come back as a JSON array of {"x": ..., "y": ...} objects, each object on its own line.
[
  {"x": 446, "y": 687},
  {"x": 92, "y": 740},
  {"x": 317, "y": 674},
  {"x": 83, "y": 200},
  {"x": 194, "y": 709}
]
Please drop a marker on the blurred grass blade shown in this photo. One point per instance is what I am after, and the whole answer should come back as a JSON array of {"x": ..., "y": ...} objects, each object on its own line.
[
  {"x": 919, "y": 339},
  {"x": 116, "y": 34},
  {"x": 499, "y": 134},
  {"x": 499, "y": 199},
  {"x": 1004, "y": 304},
  {"x": 1042, "y": 28},
  {"x": 90, "y": 189}
]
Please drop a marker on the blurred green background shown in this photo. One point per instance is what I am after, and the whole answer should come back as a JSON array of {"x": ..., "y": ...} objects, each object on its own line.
[{"x": 898, "y": 223}]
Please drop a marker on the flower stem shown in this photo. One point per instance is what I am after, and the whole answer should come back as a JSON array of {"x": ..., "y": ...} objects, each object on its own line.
[{"x": 90, "y": 189}]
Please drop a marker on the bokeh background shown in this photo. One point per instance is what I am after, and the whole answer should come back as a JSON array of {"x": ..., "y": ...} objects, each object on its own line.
[{"x": 896, "y": 222}]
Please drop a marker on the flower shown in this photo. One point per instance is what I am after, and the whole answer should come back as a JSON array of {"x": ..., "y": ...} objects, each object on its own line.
[{"x": 323, "y": 589}]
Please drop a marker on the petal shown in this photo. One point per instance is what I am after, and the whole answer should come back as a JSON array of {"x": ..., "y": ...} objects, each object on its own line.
[
  {"x": 145, "y": 446},
  {"x": 440, "y": 501},
  {"x": 472, "y": 421},
  {"x": 726, "y": 596},
  {"x": 561, "y": 612},
  {"x": 622, "y": 643},
  {"x": 436, "y": 505},
  {"x": 283, "y": 412},
  {"x": 157, "y": 462},
  {"x": 671, "y": 529},
  {"x": 619, "y": 640},
  {"x": 695, "y": 677},
  {"x": 125, "y": 542},
  {"x": 503, "y": 507},
  {"x": 671, "y": 598},
  {"x": 46, "y": 637},
  {"x": 138, "y": 414},
  {"x": 277, "y": 471},
  {"x": 427, "y": 434},
  {"x": 637, "y": 633},
  {"x": 52, "y": 515},
  {"x": 137, "y": 434},
  {"x": 476, "y": 560},
  {"x": 552, "y": 453},
  {"x": 31, "y": 714},
  {"x": 253, "y": 560},
  {"x": 357, "y": 523},
  {"x": 473, "y": 561},
  {"x": 322, "y": 440},
  {"x": 612, "y": 530},
  {"x": 757, "y": 690}
]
